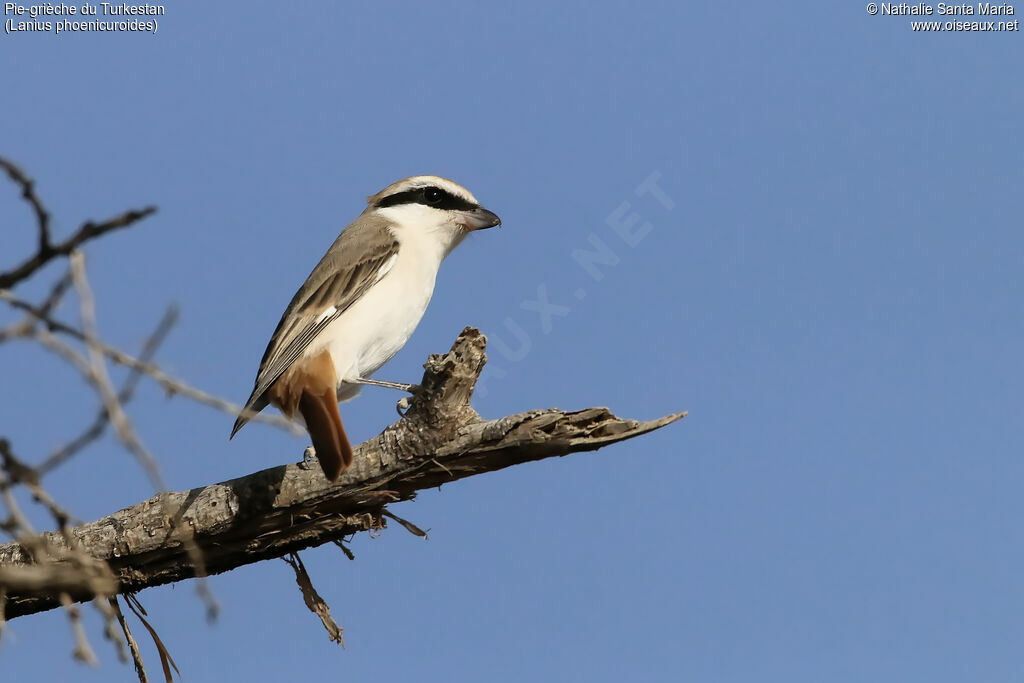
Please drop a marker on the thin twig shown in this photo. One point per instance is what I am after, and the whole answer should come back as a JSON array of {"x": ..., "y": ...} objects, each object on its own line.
[
  {"x": 65, "y": 569},
  {"x": 123, "y": 428},
  {"x": 133, "y": 444},
  {"x": 101, "y": 380},
  {"x": 110, "y": 632},
  {"x": 87, "y": 232},
  {"x": 94, "y": 371},
  {"x": 133, "y": 645},
  {"x": 344, "y": 548},
  {"x": 24, "y": 327},
  {"x": 28, "y": 191},
  {"x": 83, "y": 651},
  {"x": 166, "y": 661},
  {"x": 20, "y": 473},
  {"x": 99, "y": 425},
  {"x": 18, "y": 525},
  {"x": 47, "y": 251},
  {"x": 316, "y": 604},
  {"x": 409, "y": 526},
  {"x": 170, "y": 384}
]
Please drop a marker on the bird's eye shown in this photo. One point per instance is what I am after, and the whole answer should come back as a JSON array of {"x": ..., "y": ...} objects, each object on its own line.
[{"x": 432, "y": 195}]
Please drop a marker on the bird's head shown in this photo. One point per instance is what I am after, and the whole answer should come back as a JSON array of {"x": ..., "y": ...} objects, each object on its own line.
[{"x": 431, "y": 205}]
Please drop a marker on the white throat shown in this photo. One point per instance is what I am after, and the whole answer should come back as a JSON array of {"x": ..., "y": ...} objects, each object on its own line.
[{"x": 430, "y": 233}]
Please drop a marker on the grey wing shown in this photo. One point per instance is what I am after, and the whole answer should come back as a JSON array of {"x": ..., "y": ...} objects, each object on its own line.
[{"x": 358, "y": 259}]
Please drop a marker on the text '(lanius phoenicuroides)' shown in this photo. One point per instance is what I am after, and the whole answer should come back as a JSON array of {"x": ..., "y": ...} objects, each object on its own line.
[{"x": 57, "y": 18}]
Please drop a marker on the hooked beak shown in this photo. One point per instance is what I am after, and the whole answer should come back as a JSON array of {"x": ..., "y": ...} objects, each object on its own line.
[{"x": 478, "y": 219}]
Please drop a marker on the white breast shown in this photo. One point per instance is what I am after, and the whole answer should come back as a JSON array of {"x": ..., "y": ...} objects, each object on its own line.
[{"x": 375, "y": 327}]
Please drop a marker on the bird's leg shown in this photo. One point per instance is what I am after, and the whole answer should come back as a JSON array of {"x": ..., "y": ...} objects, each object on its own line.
[
  {"x": 408, "y": 388},
  {"x": 403, "y": 403}
]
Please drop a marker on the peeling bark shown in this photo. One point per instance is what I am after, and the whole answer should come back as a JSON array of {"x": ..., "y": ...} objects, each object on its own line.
[{"x": 284, "y": 509}]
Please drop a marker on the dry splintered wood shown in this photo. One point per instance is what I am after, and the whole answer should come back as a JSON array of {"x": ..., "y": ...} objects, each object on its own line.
[{"x": 284, "y": 509}]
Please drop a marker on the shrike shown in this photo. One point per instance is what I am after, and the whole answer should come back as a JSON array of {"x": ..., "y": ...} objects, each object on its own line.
[{"x": 360, "y": 305}]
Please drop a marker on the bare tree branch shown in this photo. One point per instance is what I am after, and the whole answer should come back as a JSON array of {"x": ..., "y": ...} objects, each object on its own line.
[
  {"x": 46, "y": 250},
  {"x": 85, "y": 233},
  {"x": 76, "y": 572},
  {"x": 284, "y": 509},
  {"x": 170, "y": 384}
]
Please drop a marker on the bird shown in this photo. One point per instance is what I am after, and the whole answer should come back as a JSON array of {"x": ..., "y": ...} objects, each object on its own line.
[{"x": 359, "y": 306}]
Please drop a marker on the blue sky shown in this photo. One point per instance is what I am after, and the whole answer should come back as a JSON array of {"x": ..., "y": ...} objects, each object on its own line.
[{"x": 832, "y": 289}]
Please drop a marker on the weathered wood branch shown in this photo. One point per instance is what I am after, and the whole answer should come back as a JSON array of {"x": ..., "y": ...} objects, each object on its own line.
[{"x": 284, "y": 509}]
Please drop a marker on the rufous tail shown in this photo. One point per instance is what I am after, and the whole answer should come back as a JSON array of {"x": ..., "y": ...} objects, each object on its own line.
[{"x": 323, "y": 422}]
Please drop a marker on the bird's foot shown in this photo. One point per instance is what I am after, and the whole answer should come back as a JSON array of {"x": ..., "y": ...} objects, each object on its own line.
[
  {"x": 402, "y": 407},
  {"x": 308, "y": 458},
  {"x": 405, "y": 402}
]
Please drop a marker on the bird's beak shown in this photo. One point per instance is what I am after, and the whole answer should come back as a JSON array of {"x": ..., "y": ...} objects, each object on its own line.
[{"x": 478, "y": 219}]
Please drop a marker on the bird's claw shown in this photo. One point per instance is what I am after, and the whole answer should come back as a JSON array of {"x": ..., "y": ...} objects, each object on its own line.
[
  {"x": 403, "y": 405},
  {"x": 405, "y": 402}
]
